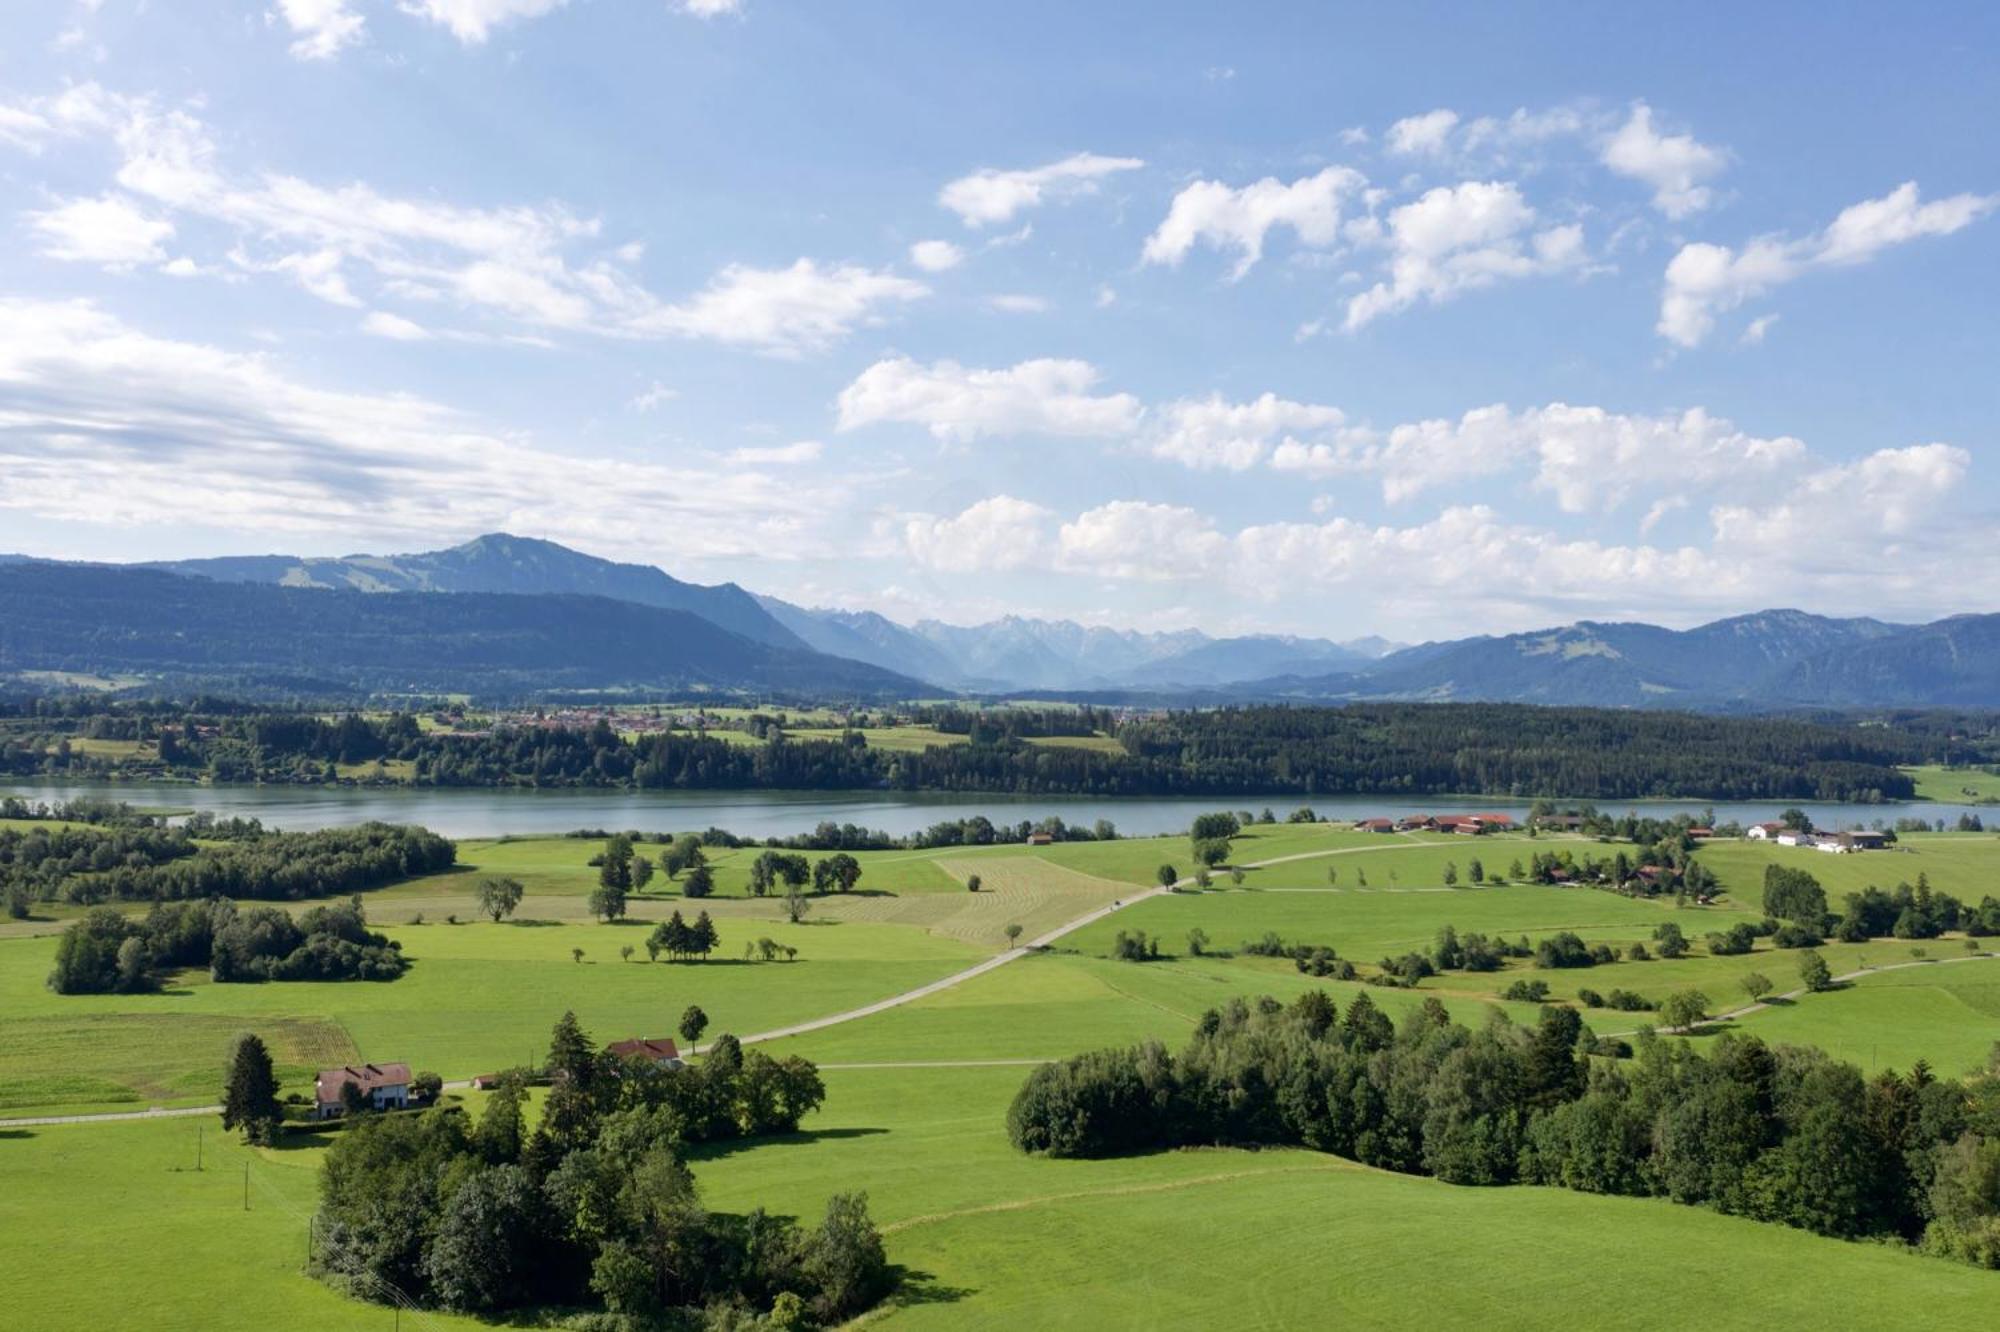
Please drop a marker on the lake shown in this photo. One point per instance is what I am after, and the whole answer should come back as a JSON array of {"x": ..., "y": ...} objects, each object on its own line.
[{"x": 478, "y": 812}]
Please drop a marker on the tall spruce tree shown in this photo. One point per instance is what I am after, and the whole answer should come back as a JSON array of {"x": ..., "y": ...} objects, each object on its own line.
[{"x": 250, "y": 1096}]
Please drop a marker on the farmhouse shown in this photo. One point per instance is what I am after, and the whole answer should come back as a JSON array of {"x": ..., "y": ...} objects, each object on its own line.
[
  {"x": 1415, "y": 823},
  {"x": 660, "y": 1052},
  {"x": 1040, "y": 839},
  {"x": 386, "y": 1087},
  {"x": 1560, "y": 822},
  {"x": 1376, "y": 826},
  {"x": 1858, "y": 840},
  {"x": 1764, "y": 832},
  {"x": 1793, "y": 837}
]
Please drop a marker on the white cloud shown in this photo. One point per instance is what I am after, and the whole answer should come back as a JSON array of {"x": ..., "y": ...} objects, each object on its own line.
[
  {"x": 989, "y": 196},
  {"x": 997, "y": 533},
  {"x": 1587, "y": 457},
  {"x": 784, "y": 311},
  {"x": 959, "y": 404},
  {"x": 1865, "y": 229},
  {"x": 779, "y": 455},
  {"x": 473, "y": 21},
  {"x": 1675, "y": 165},
  {"x": 1131, "y": 539},
  {"x": 382, "y": 324},
  {"x": 519, "y": 263},
  {"x": 1890, "y": 493},
  {"x": 101, "y": 423},
  {"x": 1426, "y": 135},
  {"x": 1212, "y": 433},
  {"x": 1238, "y": 219},
  {"x": 1757, "y": 329},
  {"x": 107, "y": 230},
  {"x": 1704, "y": 281},
  {"x": 1460, "y": 237},
  {"x": 936, "y": 256},
  {"x": 1018, "y": 303},
  {"x": 324, "y": 27},
  {"x": 711, "y": 8}
]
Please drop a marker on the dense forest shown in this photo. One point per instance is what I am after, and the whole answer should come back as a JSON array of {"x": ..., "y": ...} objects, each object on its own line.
[
  {"x": 108, "y": 952},
  {"x": 1784, "y": 1135},
  {"x": 1378, "y": 748}
]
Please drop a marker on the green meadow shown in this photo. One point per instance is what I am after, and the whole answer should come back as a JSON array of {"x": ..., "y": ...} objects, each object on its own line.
[
  {"x": 917, "y": 1094},
  {"x": 1954, "y": 785}
]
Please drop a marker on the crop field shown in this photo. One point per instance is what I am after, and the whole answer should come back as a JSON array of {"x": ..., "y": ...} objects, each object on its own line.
[{"x": 917, "y": 1093}]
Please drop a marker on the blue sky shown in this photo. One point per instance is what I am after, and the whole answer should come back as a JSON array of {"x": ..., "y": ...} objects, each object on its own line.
[{"x": 1420, "y": 320}]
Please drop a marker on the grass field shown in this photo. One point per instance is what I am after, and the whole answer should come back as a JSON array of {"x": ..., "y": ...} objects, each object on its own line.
[
  {"x": 479, "y": 997},
  {"x": 987, "y": 1237},
  {"x": 1274, "y": 1239},
  {"x": 1966, "y": 865},
  {"x": 1952, "y": 785}
]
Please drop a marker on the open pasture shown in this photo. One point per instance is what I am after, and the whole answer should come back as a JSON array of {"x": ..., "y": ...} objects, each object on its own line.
[
  {"x": 1281, "y": 1238},
  {"x": 1953, "y": 785},
  {"x": 1966, "y": 865},
  {"x": 479, "y": 997}
]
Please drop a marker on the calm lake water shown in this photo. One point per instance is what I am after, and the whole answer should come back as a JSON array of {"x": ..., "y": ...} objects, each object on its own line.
[{"x": 493, "y": 813}]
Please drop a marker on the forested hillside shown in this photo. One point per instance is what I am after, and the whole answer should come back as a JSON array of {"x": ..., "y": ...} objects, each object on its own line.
[
  {"x": 1384, "y": 748},
  {"x": 83, "y": 618}
]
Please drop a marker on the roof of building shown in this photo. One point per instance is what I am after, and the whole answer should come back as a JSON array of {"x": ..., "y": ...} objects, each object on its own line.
[
  {"x": 642, "y": 1047},
  {"x": 369, "y": 1077}
]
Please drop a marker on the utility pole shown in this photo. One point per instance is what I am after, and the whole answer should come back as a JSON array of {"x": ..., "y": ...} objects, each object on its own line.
[
  {"x": 246, "y": 1186},
  {"x": 199, "y": 1129}
]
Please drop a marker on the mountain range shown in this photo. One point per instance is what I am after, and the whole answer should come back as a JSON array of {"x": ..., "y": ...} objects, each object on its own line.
[{"x": 518, "y": 613}]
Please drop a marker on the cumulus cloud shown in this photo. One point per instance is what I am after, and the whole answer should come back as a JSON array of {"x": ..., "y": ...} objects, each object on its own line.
[
  {"x": 1704, "y": 281},
  {"x": 324, "y": 28},
  {"x": 541, "y": 265},
  {"x": 1675, "y": 165},
  {"x": 1014, "y": 302},
  {"x": 108, "y": 230},
  {"x": 996, "y": 534},
  {"x": 1213, "y": 433},
  {"x": 960, "y": 404},
  {"x": 1238, "y": 219},
  {"x": 1131, "y": 539},
  {"x": 1587, "y": 457},
  {"x": 103, "y": 423},
  {"x": 473, "y": 21},
  {"x": 936, "y": 256},
  {"x": 1460, "y": 237},
  {"x": 990, "y": 196},
  {"x": 1426, "y": 135}
]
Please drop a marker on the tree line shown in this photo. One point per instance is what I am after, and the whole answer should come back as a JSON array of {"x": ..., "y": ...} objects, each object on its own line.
[
  {"x": 1781, "y": 1134},
  {"x": 143, "y": 862}
]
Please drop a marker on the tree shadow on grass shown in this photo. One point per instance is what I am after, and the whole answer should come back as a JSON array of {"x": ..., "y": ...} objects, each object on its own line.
[
  {"x": 10, "y": 1134},
  {"x": 915, "y": 1286},
  {"x": 529, "y": 922},
  {"x": 725, "y": 1147}
]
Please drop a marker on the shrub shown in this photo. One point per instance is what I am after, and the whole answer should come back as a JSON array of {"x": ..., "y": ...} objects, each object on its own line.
[{"x": 1527, "y": 991}]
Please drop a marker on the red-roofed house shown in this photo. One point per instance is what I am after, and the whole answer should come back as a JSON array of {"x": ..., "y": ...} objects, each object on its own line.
[
  {"x": 660, "y": 1052},
  {"x": 1376, "y": 826},
  {"x": 387, "y": 1087}
]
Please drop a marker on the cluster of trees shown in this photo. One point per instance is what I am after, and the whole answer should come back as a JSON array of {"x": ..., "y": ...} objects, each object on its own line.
[
  {"x": 105, "y": 951},
  {"x": 1796, "y": 904},
  {"x": 1649, "y": 870},
  {"x": 1500, "y": 749},
  {"x": 680, "y": 940},
  {"x": 1785, "y": 1135},
  {"x": 142, "y": 862},
  {"x": 596, "y": 1206},
  {"x": 990, "y": 726}
]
